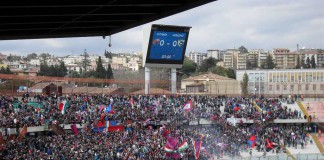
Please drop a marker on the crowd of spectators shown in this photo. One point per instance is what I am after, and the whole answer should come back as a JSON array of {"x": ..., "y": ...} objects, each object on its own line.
[{"x": 143, "y": 142}]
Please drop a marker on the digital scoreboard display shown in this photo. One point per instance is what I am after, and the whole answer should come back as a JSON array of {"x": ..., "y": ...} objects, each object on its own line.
[{"x": 167, "y": 45}]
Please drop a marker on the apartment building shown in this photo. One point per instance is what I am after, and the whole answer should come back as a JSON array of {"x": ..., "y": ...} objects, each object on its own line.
[
  {"x": 258, "y": 56},
  {"x": 213, "y": 53},
  {"x": 240, "y": 60},
  {"x": 308, "y": 53},
  {"x": 229, "y": 59},
  {"x": 120, "y": 60},
  {"x": 284, "y": 81},
  {"x": 284, "y": 59},
  {"x": 197, "y": 57}
]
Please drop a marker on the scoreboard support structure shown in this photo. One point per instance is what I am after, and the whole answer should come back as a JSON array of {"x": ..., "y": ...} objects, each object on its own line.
[
  {"x": 164, "y": 46},
  {"x": 173, "y": 80}
]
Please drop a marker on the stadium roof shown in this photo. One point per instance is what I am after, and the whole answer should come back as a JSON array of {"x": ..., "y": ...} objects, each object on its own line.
[{"x": 82, "y": 18}]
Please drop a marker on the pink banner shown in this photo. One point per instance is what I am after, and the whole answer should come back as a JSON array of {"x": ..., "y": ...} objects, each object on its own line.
[{"x": 74, "y": 129}]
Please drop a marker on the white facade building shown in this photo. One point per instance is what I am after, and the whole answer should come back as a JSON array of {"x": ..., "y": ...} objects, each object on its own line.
[
  {"x": 197, "y": 57},
  {"x": 35, "y": 62},
  {"x": 213, "y": 53},
  {"x": 284, "y": 81}
]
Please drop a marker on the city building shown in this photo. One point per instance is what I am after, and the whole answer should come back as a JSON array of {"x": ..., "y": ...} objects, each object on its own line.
[
  {"x": 229, "y": 58},
  {"x": 197, "y": 57},
  {"x": 3, "y": 56},
  {"x": 35, "y": 62},
  {"x": 210, "y": 84},
  {"x": 240, "y": 60},
  {"x": 213, "y": 53},
  {"x": 284, "y": 59},
  {"x": 120, "y": 60},
  {"x": 308, "y": 53},
  {"x": 221, "y": 54},
  {"x": 308, "y": 82},
  {"x": 73, "y": 67},
  {"x": 258, "y": 56}
]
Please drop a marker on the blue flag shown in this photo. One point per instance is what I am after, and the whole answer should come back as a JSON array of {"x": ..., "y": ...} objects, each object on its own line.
[{"x": 109, "y": 108}]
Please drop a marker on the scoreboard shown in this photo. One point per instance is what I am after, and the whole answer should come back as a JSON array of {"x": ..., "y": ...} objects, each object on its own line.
[{"x": 166, "y": 46}]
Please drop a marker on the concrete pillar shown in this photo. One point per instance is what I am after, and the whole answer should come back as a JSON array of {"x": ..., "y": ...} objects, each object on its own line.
[
  {"x": 173, "y": 81},
  {"x": 147, "y": 80}
]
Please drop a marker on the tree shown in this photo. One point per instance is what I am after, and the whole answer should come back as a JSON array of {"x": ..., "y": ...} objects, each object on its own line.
[
  {"x": 12, "y": 58},
  {"x": 244, "y": 84},
  {"x": 230, "y": 73},
  {"x": 208, "y": 64},
  {"x": 298, "y": 66},
  {"x": 52, "y": 71},
  {"x": 242, "y": 49},
  {"x": 308, "y": 63},
  {"x": 303, "y": 64},
  {"x": 74, "y": 74},
  {"x": 110, "y": 74},
  {"x": 3, "y": 70},
  {"x": 89, "y": 74},
  {"x": 8, "y": 71},
  {"x": 101, "y": 72},
  {"x": 62, "y": 69},
  {"x": 269, "y": 64},
  {"x": 312, "y": 62},
  {"x": 85, "y": 61},
  {"x": 189, "y": 67},
  {"x": 252, "y": 65},
  {"x": 31, "y": 56},
  {"x": 108, "y": 54},
  {"x": 219, "y": 70}
]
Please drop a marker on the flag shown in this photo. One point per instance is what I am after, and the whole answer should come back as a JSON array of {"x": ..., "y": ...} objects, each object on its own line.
[
  {"x": 131, "y": 101},
  {"x": 252, "y": 141},
  {"x": 147, "y": 120},
  {"x": 197, "y": 147},
  {"x": 110, "y": 124},
  {"x": 110, "y": 109},
  {"x": 270, "y": 145},
  {"x": 22, "y": 133},
  {"x": 188, "y": 106},
  {"x": 100, "y": 124},
  {"x": 74, "y": 129},
  {"x": 183, "y": 146},
  {"x": 101, "y": 107},
  {"x": 168, "y": 149},
  {"x": 172, "y": 142},
  {"x": 1, "y": 139},
  {"x": 166, "y": 133},
  {"x": 63, "y": 106},
  {"x": 115, "y": 129}
]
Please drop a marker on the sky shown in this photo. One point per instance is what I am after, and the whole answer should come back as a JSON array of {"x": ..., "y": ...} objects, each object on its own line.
[{"x": 221, "y": 24}]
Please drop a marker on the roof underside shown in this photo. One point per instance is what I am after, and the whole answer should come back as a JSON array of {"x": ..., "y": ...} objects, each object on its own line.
[{"x": 82, "y": 18}]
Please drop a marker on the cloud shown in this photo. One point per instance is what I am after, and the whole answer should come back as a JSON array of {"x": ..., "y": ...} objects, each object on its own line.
[{"x": 222, "y": 24}]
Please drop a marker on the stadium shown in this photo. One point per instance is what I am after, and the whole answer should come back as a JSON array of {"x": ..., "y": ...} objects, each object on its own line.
[{"x": 262, "y": 114}]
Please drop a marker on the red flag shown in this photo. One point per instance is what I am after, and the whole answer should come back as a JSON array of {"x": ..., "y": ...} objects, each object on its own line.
[
  {"x": 22, "y": 133},
  {"x": 1, "y": 139},
  {"x": 116, "y": 129},
  {"x": 270, "y": 145}
]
